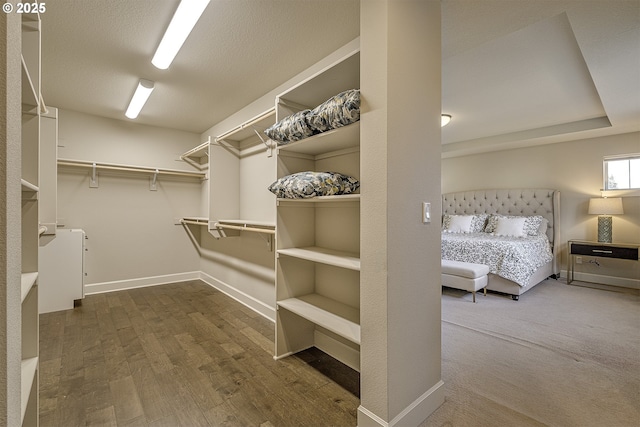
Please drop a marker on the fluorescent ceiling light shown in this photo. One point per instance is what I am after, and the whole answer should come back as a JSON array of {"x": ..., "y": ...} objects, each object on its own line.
[
  {"x": 183, "y": 21},
  {"x": 444, "y": 119},
  {"x": 140, "y": 96}
]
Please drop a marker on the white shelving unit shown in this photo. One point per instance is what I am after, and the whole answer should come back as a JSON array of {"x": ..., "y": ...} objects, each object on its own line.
[
  {"x": 318, "y": 239},
  {"x": 242, "y": 166},
  {"x": 32, "y": 108}
]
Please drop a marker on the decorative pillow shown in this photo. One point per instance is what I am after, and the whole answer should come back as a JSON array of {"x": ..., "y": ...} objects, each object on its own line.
[
  {"x": 531, "y": 227},
  {"x": 457, "y": 223},
  {"x": 339, "y": 110},
  {"x": 477, "y": 222},
  {"x": 510, "y": 227},
  {"x": 290, "y": 129},
  {"x": 303, "y": 185}
]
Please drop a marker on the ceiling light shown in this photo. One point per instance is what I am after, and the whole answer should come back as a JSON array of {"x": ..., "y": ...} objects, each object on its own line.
[
  {"x": 183, "y": 21},
  {"x": 444, "y": 119},
  {"x": 140, "y": 96}
]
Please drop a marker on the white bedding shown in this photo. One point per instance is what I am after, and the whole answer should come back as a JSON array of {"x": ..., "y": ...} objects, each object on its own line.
[{"x": 513, "y": 258}]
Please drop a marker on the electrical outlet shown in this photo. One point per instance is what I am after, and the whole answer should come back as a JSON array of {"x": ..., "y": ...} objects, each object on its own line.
[{"x": 578, "y": 260}]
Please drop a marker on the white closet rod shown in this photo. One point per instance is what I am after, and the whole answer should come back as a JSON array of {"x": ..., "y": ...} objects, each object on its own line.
[
  {"x": 129, "y": 168},
  {"x": 271, "y": 111},
  {"x": 245, "y": 228}
]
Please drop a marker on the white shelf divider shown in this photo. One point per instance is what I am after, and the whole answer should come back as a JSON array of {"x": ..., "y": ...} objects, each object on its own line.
[
  {"x": 324, "y": 256},
  {"x": 325, "y": 142},
  {"x": 27, "y": 282},
  {"x": 332, "y": 315}
]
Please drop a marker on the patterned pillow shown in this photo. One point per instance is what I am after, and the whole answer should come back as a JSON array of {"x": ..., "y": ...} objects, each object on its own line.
[
  {"x": 477, "y": 222},
  {"x": 290, "y": 129},
  {"x": 303, "y": 185},
  {"x": 339, "y": 110},
  {"x": 531, "y": 223}
]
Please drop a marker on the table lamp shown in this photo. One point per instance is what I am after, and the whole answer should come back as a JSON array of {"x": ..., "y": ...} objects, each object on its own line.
[{"x": 605, "y": 207}]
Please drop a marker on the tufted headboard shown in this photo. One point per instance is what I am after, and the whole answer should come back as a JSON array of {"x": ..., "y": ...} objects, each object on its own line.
[{"x": 514, "y": 201}]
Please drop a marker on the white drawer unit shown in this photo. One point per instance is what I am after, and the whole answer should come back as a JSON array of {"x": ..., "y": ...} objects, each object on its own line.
[{"x": 61, "y": 271}]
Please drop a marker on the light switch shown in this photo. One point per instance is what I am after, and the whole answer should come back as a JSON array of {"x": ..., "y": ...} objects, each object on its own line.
[{"x": 426, "y": 212}]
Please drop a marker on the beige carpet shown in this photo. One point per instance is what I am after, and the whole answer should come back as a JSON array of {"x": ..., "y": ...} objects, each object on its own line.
[{"x": 561, "y": 356}]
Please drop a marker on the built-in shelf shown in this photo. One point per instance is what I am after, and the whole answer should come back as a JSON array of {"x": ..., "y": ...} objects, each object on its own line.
[
  {"x": 130, "y": 168},
  {"x": 29, "y": 187},
  {"x": 246, "y": 225},
  {"x": 334, "y": 140},
  {"x": 330, "y": 314},
  {"x": 251, "y": 130},
  {"x": 322, "y": 199},
  {"x": 29, "y": 367},
  {"x": 195, "y": 220},
  {"x": 324, "y": 256},
  {"x": 27, "y": 282}
]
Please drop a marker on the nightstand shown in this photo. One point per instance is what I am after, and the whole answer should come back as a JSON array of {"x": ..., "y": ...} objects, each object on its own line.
[{"x": 598, "y": 249}]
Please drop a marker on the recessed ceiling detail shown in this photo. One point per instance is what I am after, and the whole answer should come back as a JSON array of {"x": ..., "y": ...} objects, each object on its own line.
[{"x": 530, "y": 83}]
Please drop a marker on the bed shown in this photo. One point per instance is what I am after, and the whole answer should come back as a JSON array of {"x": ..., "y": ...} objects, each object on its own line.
[{"x": 509, "y": 274}]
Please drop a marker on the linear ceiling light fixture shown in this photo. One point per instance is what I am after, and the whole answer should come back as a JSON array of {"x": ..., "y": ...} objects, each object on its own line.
[
  {"x": 140, "y": 96},
  {"x": 445, "y": 119},
  {"x": 183, "y": 21}
]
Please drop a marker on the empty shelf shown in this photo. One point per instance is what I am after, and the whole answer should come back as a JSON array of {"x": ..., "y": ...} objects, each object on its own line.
[
  {"x": 27, "y": 282},
  {"x": 324, "y": 199},
  {"x": 325, "y": 142},
  {"x": 324, "y": 256},
  {"x": 29, "y": 367},
  {"x": 195, "y": 220},
  {"x": 332, "y": 315}
]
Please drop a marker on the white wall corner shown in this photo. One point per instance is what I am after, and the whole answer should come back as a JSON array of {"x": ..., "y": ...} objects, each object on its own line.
[{"x": 412, "y": 415}]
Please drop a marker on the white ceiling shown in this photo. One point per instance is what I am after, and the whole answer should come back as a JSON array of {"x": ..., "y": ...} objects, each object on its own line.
[{"x": 515, "y": 72}]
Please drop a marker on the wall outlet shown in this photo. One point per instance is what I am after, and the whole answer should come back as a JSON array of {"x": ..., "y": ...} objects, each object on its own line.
[{"x": 578, "y": 260}]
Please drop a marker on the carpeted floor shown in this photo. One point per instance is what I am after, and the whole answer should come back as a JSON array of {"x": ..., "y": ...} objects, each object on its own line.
[{"x": 561, "y": 356}]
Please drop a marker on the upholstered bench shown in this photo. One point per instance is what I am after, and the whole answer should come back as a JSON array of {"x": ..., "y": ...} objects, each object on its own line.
[{"x": 466, "y": 276}]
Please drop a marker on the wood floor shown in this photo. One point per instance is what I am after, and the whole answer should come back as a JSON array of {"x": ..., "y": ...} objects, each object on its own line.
[{"x": 182, "y": 354}]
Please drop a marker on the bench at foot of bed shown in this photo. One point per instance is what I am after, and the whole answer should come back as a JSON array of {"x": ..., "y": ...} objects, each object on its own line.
[{"x": 466, "y": 276}]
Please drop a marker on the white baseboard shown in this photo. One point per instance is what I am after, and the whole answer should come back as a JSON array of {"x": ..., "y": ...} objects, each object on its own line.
[
  {"x": 334, "y": 348},
  {"x": 247, "y": 300},
  {"x": 119, "y": 285},
  {"x": 412, "y": 415},
  {"x": 624, "y": 282}
]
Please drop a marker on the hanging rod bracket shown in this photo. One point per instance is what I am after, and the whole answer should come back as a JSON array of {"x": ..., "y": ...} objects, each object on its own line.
[
  {"x": 93, "y": 179},
  {"x": 153, "y": 181}
]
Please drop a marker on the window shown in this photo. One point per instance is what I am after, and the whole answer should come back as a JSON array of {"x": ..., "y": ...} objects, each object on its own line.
[{"x": 622, "y": 172}]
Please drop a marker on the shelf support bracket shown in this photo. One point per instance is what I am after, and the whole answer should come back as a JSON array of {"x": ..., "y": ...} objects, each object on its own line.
[
  {"x": 154, "y": 180},
  {"x": 269, "y": 147},
  {"x": 268, "y": 239},
  {"x": 93, "y": 180}
]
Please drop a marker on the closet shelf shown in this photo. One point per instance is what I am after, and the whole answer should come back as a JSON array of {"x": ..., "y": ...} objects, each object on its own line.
[
  {"x": 324, "y": 256},
  {"x": 249, "y": 129},
  {"x": 28, "y": 374},
  {"x": 325, "y": 142},
  {"x": 195, "y": 220},
  {"x": 130, "y": 168},
  {"x": 27, "y": 282},
  {"x": 330, "y": 314},
  {"x": 28, "y": 187},
  {"x": 243, "y": 225},
  {"x": 321, "y": 199}
]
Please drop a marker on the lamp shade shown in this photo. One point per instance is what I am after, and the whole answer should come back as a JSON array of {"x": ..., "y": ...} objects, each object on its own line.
[{"x": 605, "y": 206}]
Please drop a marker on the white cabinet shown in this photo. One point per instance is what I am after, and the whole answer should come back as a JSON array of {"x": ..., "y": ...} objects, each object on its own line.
[
  {"x": 318, "y": 239},
  {"x": 61, "y": 271}
]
